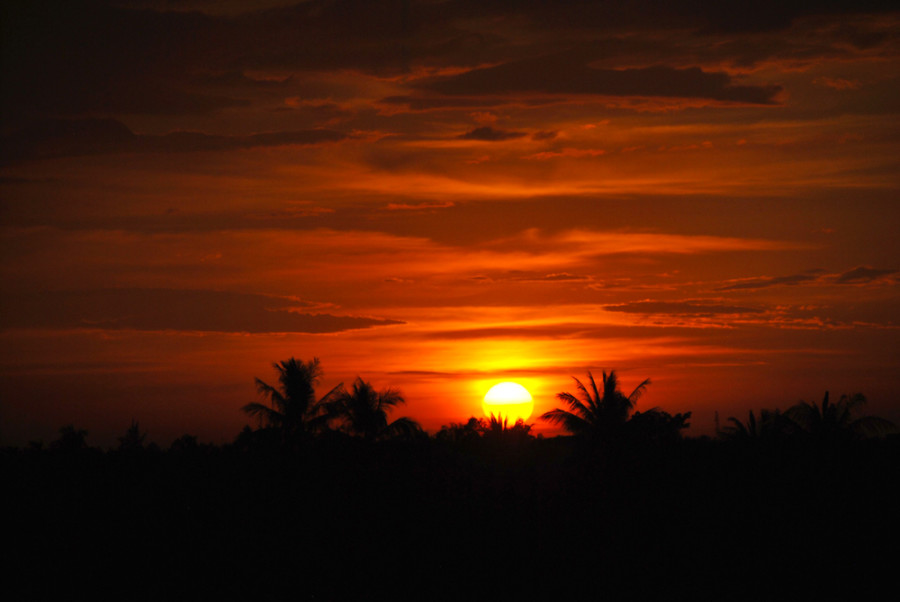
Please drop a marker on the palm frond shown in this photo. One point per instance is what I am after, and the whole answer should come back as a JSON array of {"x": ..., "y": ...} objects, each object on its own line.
[
  {"x": 574, "y": 403},
  {"x": 589, "y": 402},
  {"x": 388, "y": 398},
  {"x": 402, "y": 427},
  {"x": 264, "y": 413},
  {"x": 596, "y": 400},
  {"x": 569, "y": 421},
  {"x": 638, "y": 392},
  {"x": 872, "y": 426}
]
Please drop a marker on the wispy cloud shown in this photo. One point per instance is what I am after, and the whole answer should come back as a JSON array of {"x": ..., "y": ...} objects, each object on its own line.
[
  {"x": 170, "y": 309},
  {"x": 682, "y": 308},
  {"x": 66, "y": 138},
  {"x": 861, "y": 275},
  {"x": 489, "y": 134}
]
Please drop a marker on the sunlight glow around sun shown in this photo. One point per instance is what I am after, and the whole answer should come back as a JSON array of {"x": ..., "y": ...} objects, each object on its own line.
[{"x": 509, "y": 400}]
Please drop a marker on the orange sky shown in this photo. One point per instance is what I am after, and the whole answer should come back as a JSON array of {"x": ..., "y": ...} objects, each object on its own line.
[{"x": 440, "y": 196}]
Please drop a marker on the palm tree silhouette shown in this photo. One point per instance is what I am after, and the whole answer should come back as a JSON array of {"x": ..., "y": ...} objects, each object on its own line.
[
  {"x": 363, "y": 412},
  {"x": 771, "y": 424},
  {"x": 293, "y": 409},
  {"x": 838, "y": 420},
  {"x": 600, "y": 414}
]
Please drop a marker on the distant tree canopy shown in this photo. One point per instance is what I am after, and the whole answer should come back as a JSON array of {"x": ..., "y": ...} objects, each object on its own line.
[
  {"x": 70, "y": 439},
  {"x": 825, "y": 422}
]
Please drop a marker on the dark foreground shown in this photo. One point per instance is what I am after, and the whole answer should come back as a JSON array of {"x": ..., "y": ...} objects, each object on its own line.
[{"x": 430, "y": 519}]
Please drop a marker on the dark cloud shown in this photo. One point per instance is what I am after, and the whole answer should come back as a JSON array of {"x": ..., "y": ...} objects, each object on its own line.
[
  {"x": 73, "y": 137},
  {"x": 755, "y": 283},
  {"x": 420, "y": 102},
  {"x": 423, "y": 206},
  {"x": 522, "y": 276},
  {"x": 166, "y": 309},
  {"x": 681, "y": 308},
  {"x": 489, "y": 134},
  {"x": 569, "y": 73},
  {"x": 864, "y": 275},
  {"x": 858, "y": 275},
  {"x": 544, "y": 135},
  {"x": 548, "y": 331},
  {"x": 95, "y": 58}
]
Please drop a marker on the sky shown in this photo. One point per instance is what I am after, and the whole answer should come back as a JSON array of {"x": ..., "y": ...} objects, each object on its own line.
[{"x": 439, "y": 196}]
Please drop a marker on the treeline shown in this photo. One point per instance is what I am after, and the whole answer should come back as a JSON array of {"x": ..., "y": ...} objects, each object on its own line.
[
  {"x": 329, "y": 498},
  {"x": 600, "y": 414}
]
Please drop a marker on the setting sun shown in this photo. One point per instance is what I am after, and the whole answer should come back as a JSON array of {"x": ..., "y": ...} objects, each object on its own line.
[{"x": 509, "y": 400}]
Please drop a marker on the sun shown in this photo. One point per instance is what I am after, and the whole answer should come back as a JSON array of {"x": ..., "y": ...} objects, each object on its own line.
[{"x": 509, "y": 400}]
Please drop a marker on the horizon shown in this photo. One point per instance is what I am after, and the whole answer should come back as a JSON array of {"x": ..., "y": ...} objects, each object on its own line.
[{"x": 440, "y": 197}]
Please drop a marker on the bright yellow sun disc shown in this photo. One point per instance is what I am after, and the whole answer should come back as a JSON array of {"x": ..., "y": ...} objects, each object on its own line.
[{"x": 508, "y": 400}]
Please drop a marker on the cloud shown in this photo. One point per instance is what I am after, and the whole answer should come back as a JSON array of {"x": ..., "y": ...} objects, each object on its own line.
[
  {"x": 856, "y": 276},
  {"x": 489, "y": 134},
  {"x": 582, "y": 242},
  {"x": 756, "y": 283},
  {"x": 575, "y": 153},
  {"x": 522, "y": 276},
  {"x": 176, "y": 58},
  {"x": 864, "y": 275},
  {"x": 168, "y": 309},
  {"x": 682, "y": 308},
  {"x": 569, "y": 73},
  {"x": 73, "y": 137},
  {"x": 542, "y": 331},
  {"x": 424, "y": 206}
]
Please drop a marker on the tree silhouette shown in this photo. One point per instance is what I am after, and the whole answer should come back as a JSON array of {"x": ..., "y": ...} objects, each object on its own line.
[
  {"x": 363, "y": 412},
  {"x": 772, "y": 424},
  {"x": 293, "y": 409},
  {"x": 133, "y": 439},
  {"x": 838, "y": 420},
  {"x": 497, "y": 429},
  {"x": 70, "y": 439},
  {"x": 658, "y": 425},
  {"x": 457, "y": 432},
  {"x": 597, "y": 413}
]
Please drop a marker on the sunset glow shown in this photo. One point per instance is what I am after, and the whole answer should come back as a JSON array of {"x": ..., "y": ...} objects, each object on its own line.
[
  {"x": 439, "y": 196},
  {"x": 508, "y": 402}
]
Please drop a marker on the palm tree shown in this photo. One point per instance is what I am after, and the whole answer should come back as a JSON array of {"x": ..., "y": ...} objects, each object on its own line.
[
  {"x": 602, "y": 414},
  {"x": 771, "y": 424},
  {"x": 363, "y": 412},
  {"x": 838, "y": 420},
  {"x": 293, "y": 409}
]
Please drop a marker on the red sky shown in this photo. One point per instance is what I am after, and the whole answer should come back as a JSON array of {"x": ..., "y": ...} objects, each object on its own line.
[{"x": 442, "y": 195}]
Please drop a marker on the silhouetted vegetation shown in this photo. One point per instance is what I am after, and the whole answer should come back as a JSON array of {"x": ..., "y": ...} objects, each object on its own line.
[
  {"x": 604, "y": 415},
  {"x": 363, "y": 412},
  {"x": 326, "y": 492},
  {"x": 293, "y": 413},
  {"x": 828, "y": 422}
]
